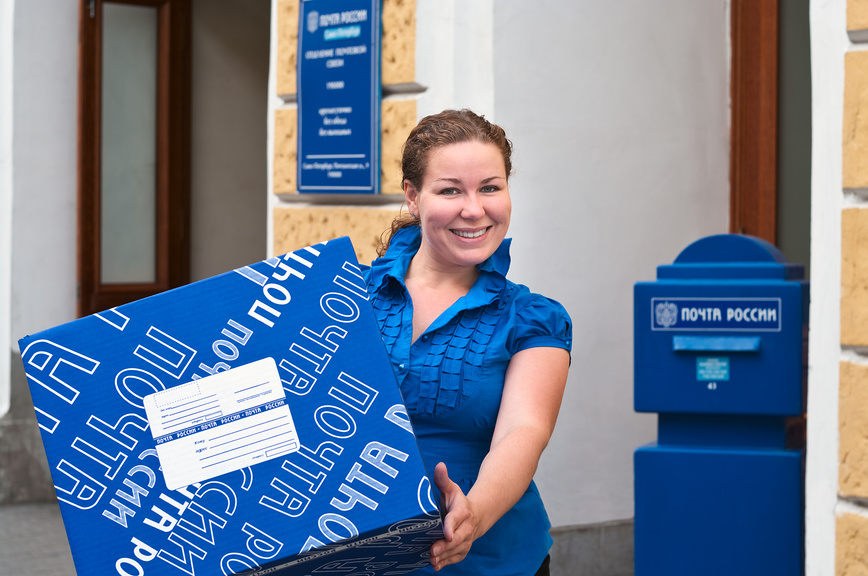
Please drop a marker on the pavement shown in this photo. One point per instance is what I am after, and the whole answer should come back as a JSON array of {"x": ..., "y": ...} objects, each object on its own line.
[{"x": 33, "y": 541}]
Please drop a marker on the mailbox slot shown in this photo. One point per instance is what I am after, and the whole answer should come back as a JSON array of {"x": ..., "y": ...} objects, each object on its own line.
[{"x": 716, "y": 343}]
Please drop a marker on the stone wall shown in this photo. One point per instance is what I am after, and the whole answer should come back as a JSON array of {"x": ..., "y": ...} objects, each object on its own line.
[
  {"x": 851, "y": 550},
  {"x": 300, "y": 220}
]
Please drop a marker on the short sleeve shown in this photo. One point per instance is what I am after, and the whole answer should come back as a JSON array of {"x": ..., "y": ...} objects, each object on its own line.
[{"x": 540, "y": 322}]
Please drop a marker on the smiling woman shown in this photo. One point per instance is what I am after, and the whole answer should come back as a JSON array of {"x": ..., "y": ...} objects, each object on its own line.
[
  {"x": 481, "y": 361},
  {"x": 463, "y": 207}
]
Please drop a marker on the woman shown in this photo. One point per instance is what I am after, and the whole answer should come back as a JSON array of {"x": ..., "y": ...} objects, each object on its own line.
[{"x": 481, "y": 362}]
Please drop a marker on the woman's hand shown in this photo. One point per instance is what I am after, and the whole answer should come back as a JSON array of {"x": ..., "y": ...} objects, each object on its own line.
[{"x": 459, "y": 526}]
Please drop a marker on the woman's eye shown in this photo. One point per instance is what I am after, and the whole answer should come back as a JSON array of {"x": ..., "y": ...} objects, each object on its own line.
[
  {"x": 490, "y": 188},
  {"x": 449, "y": 192}
]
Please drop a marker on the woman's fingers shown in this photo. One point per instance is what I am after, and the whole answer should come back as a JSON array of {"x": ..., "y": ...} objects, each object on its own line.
[{"x": 458, "y": 525}]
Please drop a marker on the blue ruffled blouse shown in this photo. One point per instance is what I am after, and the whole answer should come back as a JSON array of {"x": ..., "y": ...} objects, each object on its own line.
[{"x": 451, "y": 379}]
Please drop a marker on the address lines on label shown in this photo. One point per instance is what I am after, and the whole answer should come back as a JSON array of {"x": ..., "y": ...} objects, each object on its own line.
[
  {"x": 253, "y": 396},
  {"x": 175, "y": 419},
  {"x": 258, "y": 443}
]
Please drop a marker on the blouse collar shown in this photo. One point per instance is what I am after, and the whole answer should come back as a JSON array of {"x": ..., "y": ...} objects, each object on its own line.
[{"x": 404, "y": 245}]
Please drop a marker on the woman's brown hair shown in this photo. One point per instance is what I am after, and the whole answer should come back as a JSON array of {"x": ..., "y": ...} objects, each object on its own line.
[{"x": 442, "y": 129}]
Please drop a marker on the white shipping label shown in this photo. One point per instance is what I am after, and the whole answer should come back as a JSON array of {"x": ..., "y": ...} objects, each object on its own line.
[{"x": 221, "y": 423}]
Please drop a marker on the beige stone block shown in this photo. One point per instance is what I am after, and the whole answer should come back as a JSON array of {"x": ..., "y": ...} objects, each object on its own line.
[
  {"x": 851, "y": 545},
  {"x": 857, "y": 15},
  {"x": 285, "y": 151},
  {"x": 297, "y": 227},
  {"x": 398, "y": 118},
  {"x": 398, "y": 56},
  {"x": 855, "y": 130},
  {"x": 853, "y": 430},
  {"x": 287, "y": 46},
  {"x": 854, "y": 277}
]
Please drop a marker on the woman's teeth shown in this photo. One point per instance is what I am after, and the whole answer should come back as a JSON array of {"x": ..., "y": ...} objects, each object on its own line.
[{"x": 476, "y": 234}]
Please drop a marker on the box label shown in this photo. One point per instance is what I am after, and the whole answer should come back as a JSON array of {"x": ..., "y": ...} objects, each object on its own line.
[{"x": 221, "y": 423}]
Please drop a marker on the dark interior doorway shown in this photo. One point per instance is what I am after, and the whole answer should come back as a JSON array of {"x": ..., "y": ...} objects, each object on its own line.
[{"x": 771, "y": 124}]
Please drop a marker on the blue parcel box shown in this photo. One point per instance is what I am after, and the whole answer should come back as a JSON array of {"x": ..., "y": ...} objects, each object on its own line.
[
  {"x": 248, "y": 423},
  {"x": 720, "y": 350}
]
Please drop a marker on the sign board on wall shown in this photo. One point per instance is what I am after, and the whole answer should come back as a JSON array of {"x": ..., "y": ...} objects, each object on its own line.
[
  {"x": 339, "y": 96},
  {"x": 248, "y": 423}
]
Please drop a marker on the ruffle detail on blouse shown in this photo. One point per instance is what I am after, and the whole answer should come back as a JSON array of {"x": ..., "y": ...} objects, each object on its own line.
[
  {"x": 389, "y": 313},
  {"x": 451, "y": 369}
]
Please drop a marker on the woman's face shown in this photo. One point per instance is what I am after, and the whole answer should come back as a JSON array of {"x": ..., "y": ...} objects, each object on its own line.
[{"x": 464, "y": 204}]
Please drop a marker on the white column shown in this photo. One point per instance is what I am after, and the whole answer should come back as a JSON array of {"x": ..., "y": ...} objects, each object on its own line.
[
  {"x": 829, "y": 43},
  {"x": 7, "y": 10}
]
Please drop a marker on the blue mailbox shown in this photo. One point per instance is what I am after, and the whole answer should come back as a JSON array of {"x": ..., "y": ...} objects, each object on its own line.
[{"x": 720, "y": 353}]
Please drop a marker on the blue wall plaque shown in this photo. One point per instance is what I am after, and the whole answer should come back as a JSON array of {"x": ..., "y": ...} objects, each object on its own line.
[{"x": 339, "y": 96}]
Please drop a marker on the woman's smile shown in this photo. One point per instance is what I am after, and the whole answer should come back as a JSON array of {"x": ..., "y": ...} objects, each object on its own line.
[{"x": 471, "y": 234}]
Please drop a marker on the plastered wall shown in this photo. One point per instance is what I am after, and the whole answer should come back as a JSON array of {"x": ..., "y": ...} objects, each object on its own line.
[{"x": 300, "y": 220}]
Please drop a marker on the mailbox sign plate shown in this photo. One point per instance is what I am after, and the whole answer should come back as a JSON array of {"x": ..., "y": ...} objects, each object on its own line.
[
  {"x": 712, "y": 368},
  {"x": 716, "y": 314},
  {"x": 761, "y": 379}
]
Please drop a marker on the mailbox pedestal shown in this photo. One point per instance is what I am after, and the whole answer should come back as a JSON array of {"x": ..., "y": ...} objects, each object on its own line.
[{"x": 720, "y": 342}]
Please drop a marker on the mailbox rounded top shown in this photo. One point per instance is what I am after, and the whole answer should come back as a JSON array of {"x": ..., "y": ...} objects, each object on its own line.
[
  {"x": 731, "y": 248},
  {"x": 731, "y": 256}
]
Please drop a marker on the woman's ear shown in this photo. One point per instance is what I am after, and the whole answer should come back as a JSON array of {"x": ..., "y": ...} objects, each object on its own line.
[{"x": 410, "y": 196}]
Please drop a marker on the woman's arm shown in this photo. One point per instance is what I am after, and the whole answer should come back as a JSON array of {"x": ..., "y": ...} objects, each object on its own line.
[{"x": 532, "y": 393}]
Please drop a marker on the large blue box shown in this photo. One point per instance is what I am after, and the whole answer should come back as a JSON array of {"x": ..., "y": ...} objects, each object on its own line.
[{"x": 248, "y": 423}]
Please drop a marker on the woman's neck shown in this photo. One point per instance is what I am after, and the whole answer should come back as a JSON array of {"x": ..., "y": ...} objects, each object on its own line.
[
  {"x": 434, "y": 289},
  {"x": 423, "y": 272}
]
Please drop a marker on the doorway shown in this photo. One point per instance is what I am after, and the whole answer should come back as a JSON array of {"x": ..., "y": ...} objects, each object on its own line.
[
  {"x": 229, "y": 125},
  {"x": 771, "y": 124}
]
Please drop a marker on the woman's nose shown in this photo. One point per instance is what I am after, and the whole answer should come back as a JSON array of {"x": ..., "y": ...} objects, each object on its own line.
[{"x": 473, "y": 208}]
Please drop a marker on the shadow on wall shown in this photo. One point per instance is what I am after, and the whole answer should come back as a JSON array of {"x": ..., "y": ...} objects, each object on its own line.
[{"x": 24, "y": 474}]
